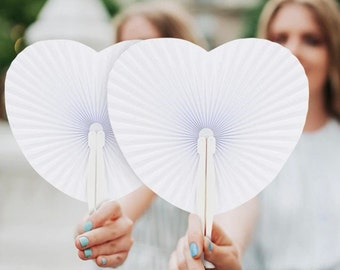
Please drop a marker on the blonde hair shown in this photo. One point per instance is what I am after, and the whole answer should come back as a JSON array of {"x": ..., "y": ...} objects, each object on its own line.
[
  {"x": 170, "y": 19},
  {"x": 328, "y": 17}
]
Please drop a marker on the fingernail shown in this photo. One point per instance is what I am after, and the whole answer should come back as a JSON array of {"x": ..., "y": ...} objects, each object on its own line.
[
  {"x": 193, "y": 249},
  {"x": 104, "y": 261},
  {"x": 88, "y": 226},
  {"x": 210, "y": 246},
  {"x": 88, "y": 253},
  {"x": 84, "y": 241}
]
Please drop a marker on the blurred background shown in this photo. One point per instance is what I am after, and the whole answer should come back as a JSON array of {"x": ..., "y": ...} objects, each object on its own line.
[
  {"x": 37, "y": 222},
  {"x": 25, "y": 21}
]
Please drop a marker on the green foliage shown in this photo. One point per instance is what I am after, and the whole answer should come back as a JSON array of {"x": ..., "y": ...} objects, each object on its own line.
[
  {"x": 6, "y": 44},
  {"x": 20, "y": 11},
  {"x": 15, "y": 17},
  {"x": 112, "y": 6},
  {"x": 250, "y": 19}
]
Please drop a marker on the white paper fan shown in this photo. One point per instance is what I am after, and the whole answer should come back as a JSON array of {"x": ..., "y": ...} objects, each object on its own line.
[
  {"x": 251, "y": 93},
  {"x": 55, "y": 91}
]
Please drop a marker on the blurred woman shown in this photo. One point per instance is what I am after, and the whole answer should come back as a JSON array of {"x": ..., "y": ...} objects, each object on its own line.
[{"x": 299, "y": 224}]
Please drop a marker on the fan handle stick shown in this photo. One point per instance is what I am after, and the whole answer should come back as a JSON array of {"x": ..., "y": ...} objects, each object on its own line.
[
  {"x": 95, "y": 167},
  {"x": 206, "y": 189}
]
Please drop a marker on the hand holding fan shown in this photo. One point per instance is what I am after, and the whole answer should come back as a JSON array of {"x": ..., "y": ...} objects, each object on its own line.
[
  {"x": 56, "y": 100},
  {"x": 184, "y": 118}
]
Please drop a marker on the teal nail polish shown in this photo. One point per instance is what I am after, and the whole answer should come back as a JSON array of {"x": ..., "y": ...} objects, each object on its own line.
[
  {"x": 104, "y": 261},
  {"x": 88, "y": 253},
  {"x": 84, "y": 241},
  {"x": 210, "y": 246},
  {"x": 193, "y": 249},
  {"x": 87, "y": 226}
]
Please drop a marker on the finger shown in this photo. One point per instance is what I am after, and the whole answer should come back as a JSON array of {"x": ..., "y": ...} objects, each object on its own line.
[
  {"x": 173, "y": 261},
  {"x": 110, "y": 248},
  {"x": 112, "y": 260},
  {"x": 181, "y": 259},
  {"x": 182, "y": 249},
  {"x": 105, "y": 234},
  {"x": 219, "y": 246},
  {"x": 219, "y": 237},
  {"x": 84, "y": 226},
  {"x": 108, "y": 211},
  {"x": 192, "y": 263},
  {"x": 219, "y": 250},
  {"x": 195, "y": 236},
  {"x": 223, "y": 257}
]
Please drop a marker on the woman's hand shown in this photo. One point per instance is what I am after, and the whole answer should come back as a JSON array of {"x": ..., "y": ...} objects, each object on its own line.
[
  {"x": 105, "y": 236},
  {"x": 220, "y": 251}
]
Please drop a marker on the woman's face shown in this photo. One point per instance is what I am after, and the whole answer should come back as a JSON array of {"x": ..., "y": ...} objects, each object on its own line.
[
  {"x": 295, "y": 27},
  {"x": 139, "y": 27}
]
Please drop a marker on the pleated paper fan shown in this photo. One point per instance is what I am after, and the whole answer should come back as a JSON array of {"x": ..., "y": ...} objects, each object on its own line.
[
  {"x": 251, "y": 94},
  {"x": 55, "y": 91}
]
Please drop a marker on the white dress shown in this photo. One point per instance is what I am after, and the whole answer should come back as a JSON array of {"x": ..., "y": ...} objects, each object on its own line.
[
  {"x": 299, "y": 225},
  {"x": 155, "y": 236}
]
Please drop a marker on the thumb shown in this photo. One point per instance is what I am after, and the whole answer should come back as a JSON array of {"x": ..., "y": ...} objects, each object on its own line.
[
  {"x": 221, "y": 251},
  {"x": 109, "y": 210},
  {"x": 195, "y": 236},
  {"x": 219, "y": 237}
]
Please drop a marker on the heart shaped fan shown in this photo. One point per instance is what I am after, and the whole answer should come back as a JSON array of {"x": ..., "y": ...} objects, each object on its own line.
[
  {"x": 207, "y": 125},
  {"x": 56, "y": 100}
]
